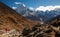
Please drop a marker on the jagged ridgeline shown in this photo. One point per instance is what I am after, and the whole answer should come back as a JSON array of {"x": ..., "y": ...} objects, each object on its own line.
[{"x": 13, "y": 20}]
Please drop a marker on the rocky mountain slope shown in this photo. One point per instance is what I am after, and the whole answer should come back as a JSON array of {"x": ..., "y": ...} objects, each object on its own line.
[
  {"x": 55, "y": 21},
  {"x": 51, "y": 29},
  {"x": 13, "y": 20}
]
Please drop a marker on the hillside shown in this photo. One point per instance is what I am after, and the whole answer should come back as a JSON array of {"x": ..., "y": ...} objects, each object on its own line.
[
  {"x": 55, "y": 21},
  {"x": 13, "y": 20}
]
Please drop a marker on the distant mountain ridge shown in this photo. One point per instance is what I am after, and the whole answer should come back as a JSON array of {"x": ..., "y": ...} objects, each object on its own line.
[
  {"x": 36, "y": 15},
  {"x": 57, "y": 18},
  {"x": 26, "y": 12}
]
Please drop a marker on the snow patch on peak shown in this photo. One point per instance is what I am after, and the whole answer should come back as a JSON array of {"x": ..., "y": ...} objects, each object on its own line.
[
  {"x": 14, "y": 8},
  {"x": 31, "y": 8},
  {"x": 20, "y": 3}
]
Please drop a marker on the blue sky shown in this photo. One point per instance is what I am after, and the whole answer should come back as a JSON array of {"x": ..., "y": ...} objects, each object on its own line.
[{"x": 32, "y": 3}]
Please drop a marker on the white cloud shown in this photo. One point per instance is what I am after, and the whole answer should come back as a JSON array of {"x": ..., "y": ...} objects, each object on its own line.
[
  {"x": 31, "y": 8},
  {"x": 19, "y": 3},
  {"x": 14, "y": 7},
  {"x": 44, "y": 8}
]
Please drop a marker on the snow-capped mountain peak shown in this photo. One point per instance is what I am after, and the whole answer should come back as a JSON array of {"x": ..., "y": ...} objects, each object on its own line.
[{"x": 49, "y": 12}]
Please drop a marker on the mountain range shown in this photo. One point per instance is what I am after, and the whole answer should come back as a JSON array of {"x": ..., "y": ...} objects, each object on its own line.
[{"x": 37, "y": 15}]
